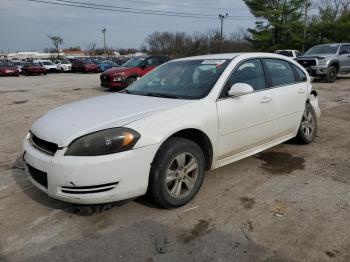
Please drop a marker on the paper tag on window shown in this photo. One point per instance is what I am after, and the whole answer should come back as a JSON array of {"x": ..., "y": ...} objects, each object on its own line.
[{"x": 213, "y": 62}]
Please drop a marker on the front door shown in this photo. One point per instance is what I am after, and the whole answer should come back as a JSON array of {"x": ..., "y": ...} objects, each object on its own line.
[
  {"x": 344, "y": 58},
  {"x": 245, "y": 121}
]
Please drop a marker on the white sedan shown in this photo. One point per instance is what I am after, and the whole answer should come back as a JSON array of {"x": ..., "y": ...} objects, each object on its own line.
[{"x": 164, "y": 131}]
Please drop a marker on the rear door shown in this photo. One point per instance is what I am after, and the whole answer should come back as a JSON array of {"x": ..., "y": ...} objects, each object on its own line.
[
  {"x": 290, "y": 94},
  {"x": 245, "y": 121}
]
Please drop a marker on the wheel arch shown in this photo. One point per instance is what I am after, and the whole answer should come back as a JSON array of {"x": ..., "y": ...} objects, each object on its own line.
[
  {"x": 198, "y": 137},
  {"x": 335, "y": 64}
]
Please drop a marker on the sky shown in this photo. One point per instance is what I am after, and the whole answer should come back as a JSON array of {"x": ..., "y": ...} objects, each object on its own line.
[{"x": 24, "y": 25}]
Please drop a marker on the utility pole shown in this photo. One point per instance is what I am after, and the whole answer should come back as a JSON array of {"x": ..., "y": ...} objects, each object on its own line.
[
  {"x": 222, "y": 18},
  {"x": 104, "y": 41},
  {"x": 305, "y": 23}
]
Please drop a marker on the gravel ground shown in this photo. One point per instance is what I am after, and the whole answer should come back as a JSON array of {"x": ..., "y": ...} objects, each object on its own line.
[{"x": 290, "y": 203}]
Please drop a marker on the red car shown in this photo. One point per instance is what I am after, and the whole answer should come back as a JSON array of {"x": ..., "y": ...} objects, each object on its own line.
[
  {"x": 8, "y": 69},
  {"x": 33, "y": 69},
  {"x": 84, "y": 66},
  {"x": 121, "y": 77}
]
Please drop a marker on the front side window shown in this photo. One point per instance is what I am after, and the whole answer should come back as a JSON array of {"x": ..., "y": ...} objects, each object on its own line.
[
  {"x": 280, "y": 71},
  {"x": 250, "y": 72},
  {"x": 345, "y": 49},
  {"x": 191, "y": 79}
]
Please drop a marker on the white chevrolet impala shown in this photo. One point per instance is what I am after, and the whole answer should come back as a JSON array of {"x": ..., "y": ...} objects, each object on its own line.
[{"x": 164, "y": 131}]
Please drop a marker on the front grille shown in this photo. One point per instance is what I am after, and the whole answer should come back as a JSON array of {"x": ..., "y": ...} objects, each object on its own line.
[
  {"x": 307, "y": 62},
  {"x": 39, "y": 176},
  {"x": 42, "y": 145},
  {"x": 88, "y": 189}
]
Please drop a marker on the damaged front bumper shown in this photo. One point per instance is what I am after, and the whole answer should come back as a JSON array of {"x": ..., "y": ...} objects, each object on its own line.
[{"x": 89, "y": 180}]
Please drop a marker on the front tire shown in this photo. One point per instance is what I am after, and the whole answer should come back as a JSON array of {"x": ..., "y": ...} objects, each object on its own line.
[
  {"x": 308, "y": 126},
  {"x": 130, "y": 80},
  {"x": 177, "y": 173},
  {"x": 331, "y": 75}
]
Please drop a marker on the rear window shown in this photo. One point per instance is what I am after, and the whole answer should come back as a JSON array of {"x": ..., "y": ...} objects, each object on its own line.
[{"x": 285, "y": 53}]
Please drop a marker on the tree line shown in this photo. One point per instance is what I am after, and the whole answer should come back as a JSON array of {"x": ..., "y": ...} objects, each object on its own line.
[{"x": 298, "y": 24}]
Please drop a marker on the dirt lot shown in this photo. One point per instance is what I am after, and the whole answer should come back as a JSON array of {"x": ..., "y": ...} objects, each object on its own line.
[{"x": 291, "y": 203}]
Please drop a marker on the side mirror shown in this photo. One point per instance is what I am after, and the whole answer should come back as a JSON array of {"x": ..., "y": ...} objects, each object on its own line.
[{"x": 239, "y": 89}]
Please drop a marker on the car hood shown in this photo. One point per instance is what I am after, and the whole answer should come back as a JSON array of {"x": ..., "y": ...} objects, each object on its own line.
[
  {"x": 118, "y": 70},
  {"x": 8, "y": 68},
  {"x": 68, "y": 122},
  {"x": 316, "y": 56}
]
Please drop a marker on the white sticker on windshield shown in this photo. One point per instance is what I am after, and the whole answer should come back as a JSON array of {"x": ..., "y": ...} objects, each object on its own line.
[{"x": 213, "y": 62}]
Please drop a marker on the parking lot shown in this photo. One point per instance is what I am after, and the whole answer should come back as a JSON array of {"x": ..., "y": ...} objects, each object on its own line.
[{"x": 290, "y": 203}]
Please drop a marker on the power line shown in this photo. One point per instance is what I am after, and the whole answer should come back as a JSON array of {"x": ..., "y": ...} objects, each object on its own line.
[
  {"x": 182, "y": 5},
  {"x": 145, "y": 10},
  {"x": 132, "y": 10}
]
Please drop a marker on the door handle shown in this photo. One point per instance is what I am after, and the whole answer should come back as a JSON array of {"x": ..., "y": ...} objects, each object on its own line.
[
  {"x": 265, "y": 99},
  {"x": 301, "y": 91}
]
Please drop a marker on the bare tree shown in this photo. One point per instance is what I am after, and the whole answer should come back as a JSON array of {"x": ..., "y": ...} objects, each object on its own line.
[
  {"x": 91, "y": 48},
  {"x": 56, "y": 41}
]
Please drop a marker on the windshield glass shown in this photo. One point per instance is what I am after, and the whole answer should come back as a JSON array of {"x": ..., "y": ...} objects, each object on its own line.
[
  {"x": 134, "y": 62},
  {"x": 64, "y": 62},
  {"x": 47, "y": 63},
  {"x": 322, "y": 49},
  {"x": 6, "y": 64},
  {"x": 285, "y": 53},
  {"x": 180, "y": 79}
]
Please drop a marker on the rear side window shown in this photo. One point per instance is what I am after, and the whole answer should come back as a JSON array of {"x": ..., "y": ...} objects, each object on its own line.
[
  {"x": 280, "y": 71},
  {"x": 250, "y": 72},
  {"x": 300, "y": 74}
]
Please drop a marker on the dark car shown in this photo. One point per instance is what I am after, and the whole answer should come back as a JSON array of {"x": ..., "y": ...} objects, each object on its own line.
[
  {"x": 127, "y": 73},
  {"x": 8, "y": 69},
  {"x": 84, "y": 66},
  {"x": 33, "y": 69}
]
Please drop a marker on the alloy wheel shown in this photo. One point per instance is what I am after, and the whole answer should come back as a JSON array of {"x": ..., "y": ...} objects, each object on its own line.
[
  {"x": 181, "y": 175},
  {"x": 308, "y": 123}
]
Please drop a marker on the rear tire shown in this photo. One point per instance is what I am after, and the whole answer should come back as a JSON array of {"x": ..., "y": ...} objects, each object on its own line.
[
  {"x": 308, "y": 126},
  {"x": 177, "y": 173},
  {"x": 331, "y": 75}
]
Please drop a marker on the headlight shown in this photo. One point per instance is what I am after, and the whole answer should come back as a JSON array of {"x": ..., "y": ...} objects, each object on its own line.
[
  {"x": 322, "y": 61},
  {"x": 104, "y": 142},
  {"x": 118, "y": 79}
]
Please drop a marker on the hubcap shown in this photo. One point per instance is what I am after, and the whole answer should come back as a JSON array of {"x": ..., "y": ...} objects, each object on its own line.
[
  {"x": 181, "y": 175},
  {"x": 308, "y": 124}
]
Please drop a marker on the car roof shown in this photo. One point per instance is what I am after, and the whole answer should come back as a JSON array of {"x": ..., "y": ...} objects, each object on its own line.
[{"x": 230, "y": 56}]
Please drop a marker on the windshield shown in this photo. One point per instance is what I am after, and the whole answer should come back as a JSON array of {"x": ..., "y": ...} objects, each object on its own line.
[
  {"x": 134, "y": 62},
  {"x": 47, "y": 63},
  {"x": 180, "y": 79},
  {"x": 64, "y": 62},
  {"x": 6, "y": 64},
  {"x": 285, "y": 53},
  {"x": 322, "y": 49}
]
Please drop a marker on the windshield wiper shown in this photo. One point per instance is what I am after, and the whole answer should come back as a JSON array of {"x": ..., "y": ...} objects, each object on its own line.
[{"x": 162, "y": 95}]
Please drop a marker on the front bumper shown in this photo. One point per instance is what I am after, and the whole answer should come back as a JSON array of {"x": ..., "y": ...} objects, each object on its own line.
[
  {"x": 90, "y": 180},
  {"x": 113, "y": 84},
  {"x": 317, "y": 70}
]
